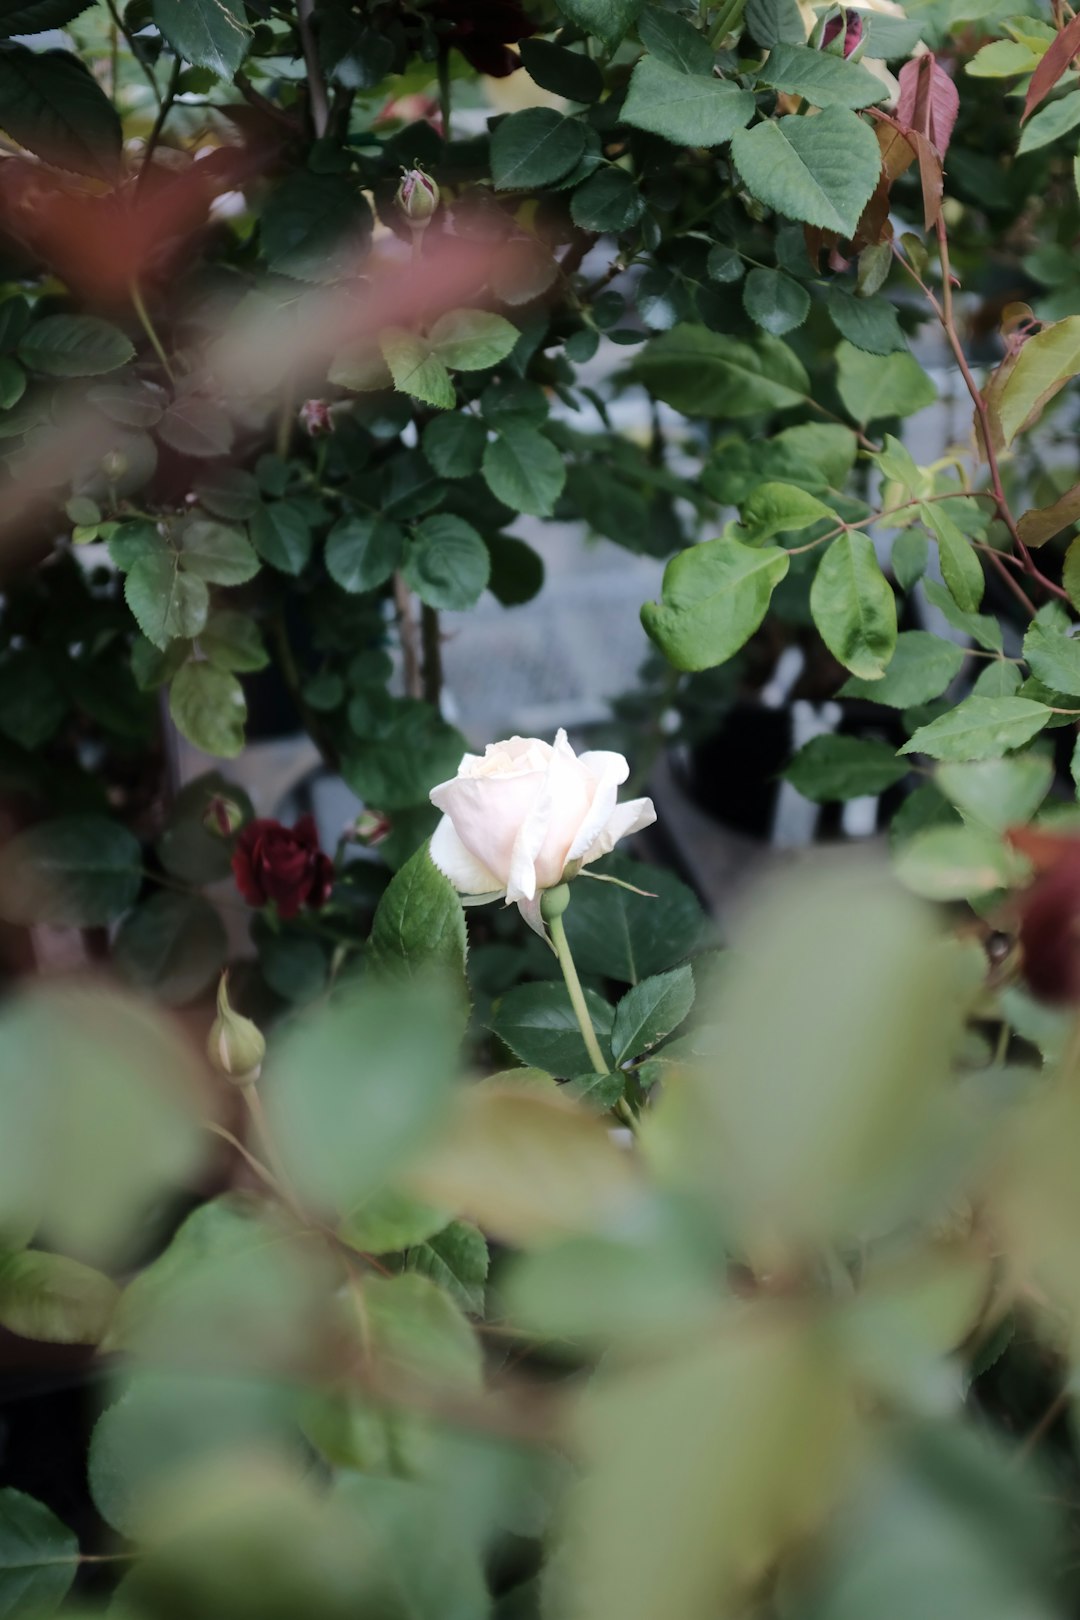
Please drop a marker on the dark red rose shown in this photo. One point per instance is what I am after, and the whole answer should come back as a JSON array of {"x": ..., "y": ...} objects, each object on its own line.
[
  {"x": 282, "y": 864},
  {"x": 1049, "y": 911},
  {"x": 481, "y": 30}
]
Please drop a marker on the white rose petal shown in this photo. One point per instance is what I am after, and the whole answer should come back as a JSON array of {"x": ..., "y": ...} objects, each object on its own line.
[{"x": 515, "y": 818}]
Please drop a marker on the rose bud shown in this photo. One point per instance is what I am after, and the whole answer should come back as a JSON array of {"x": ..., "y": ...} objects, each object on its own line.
[
  {"x": 235, "y": 1046},
  {"x": 1049, "y": 910},
  {"x": 841, "y": 33},
  {"x": 315, "y": 418},
  {"x": 371, "y": 827},
  {"x": 527, "y": 815},
  {"x": 222, "y": 816},
  {"x": 417, "y": 197},
  {"x": 282, "y": 866}
]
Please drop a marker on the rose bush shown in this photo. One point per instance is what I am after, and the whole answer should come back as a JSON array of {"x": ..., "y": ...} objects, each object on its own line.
[{"x": 526, "y": 814}]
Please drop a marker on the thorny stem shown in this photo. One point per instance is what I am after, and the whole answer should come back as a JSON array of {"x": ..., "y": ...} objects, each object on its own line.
[
  {"x": 414, "y": 681},
  {"x": 946, "y": 318},
  {"x": 317, "y": 98},
  {"x": 151, "y": 331},
  {"x": 255, "y": 1108},
  {"x": 444, "y": 92},
  {"x": 581, "y": 1010}
]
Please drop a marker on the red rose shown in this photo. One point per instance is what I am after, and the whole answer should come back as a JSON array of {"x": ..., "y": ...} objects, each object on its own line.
[
  {"x": 282, "y": 864},
  {"x": 482, "y": 30},
  {"x": 1050, "y": 915}
]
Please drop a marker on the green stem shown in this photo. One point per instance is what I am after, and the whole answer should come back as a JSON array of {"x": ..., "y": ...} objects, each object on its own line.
[
  {"x": 148, "y": 327},
  {"x": 444, "y": 92},
  {"x": 159, "y": 121},
  {"x": 577, "y": 995}
]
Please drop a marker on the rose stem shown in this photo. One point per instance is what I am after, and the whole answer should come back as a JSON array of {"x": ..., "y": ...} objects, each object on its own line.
[{"x": 552, "y": 906}]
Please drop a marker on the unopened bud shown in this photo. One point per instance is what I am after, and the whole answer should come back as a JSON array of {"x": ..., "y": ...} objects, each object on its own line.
[
  {"x": 840, "y": 33},
  {"x": 235, "y": 1046},
  {"x": 222, "y": 816},
  {"x": 371, "y": 827},
  {"x": 417, "y": 197},
  {"x": 315, "y": 418},
  {"x": 114, "y": 464}
]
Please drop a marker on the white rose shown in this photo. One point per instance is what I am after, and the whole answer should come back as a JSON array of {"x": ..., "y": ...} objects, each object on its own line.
[{"x": 516, "y": 819}]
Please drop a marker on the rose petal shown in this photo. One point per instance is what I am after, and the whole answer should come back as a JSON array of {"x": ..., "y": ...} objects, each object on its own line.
[
  {"x": 610, "y": 771},
  {"x": 626, "y": 818},
  {"x": 459, "y": 864}
]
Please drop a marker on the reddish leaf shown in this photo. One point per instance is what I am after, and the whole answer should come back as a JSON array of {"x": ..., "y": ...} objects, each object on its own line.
[
  {"x": 1053, "y": 65},
  {"x": 931, "y": 178},
  {"x": 929, "y": 101},
  {"x": 897, "y": 149}
]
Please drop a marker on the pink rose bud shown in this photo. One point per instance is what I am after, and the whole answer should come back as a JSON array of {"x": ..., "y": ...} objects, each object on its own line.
[
  {"x": 417, "y": 197},
  {"x": 841, "y": 34},
  {"x": 315, "y": 418},
  {"x": 223, "y": 816},
  {"x": 371, "y": 827}
]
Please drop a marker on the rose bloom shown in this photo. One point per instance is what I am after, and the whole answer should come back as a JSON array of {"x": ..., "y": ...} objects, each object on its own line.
[
  {"x": 1049, "y": 915},
  {"x": 528, "y": 814},
  {"x": 284, "y": 865}
]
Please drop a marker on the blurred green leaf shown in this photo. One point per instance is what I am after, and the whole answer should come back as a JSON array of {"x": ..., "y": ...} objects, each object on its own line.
[{"x": 39, "y": 1557}]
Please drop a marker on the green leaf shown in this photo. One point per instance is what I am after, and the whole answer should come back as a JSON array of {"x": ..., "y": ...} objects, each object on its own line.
[
  {"x": 362, "y": 552},
  {"x": 920, "y": 669},
  {"x": 73, "y": 871},
  {"x": 35, "y": 16},
  {"x": 217, "y": 553},
  {"x": 187, "y": 848},
  {"x": 55, "y": 1300},
  {"x": 853, "y": 606},
  {"x": 979, "y": 728},
  {"x": 524, "y": 470},
  {"x": 211, "y": 34},
  {"x": 714, "y": 596},
  {"x": 281, "y": 533},
  {"x": 415, "y": 369},
  {"x": 650, "y": 1011},
  {"x": 233, "y": 641},
  {"x": 413, "y": 752},
  {"x": 1002, "y": 59},
  {"x": 12, "y": 382},
  {"x": 910, "y": 555},
  {"x": 1044, "y": 365},
  {"x": 822, "y": 170},
  {"x": 196, "y": 427},
  {"x": 74, "y": 345},
  {"x": 1053, "y": 656},
  {"x": 872, "y": 387},
  {"x": 982, "y": 629},
  {"x": 675, "y": 41},
  {"x": 166, "y": 603},
  {"x": 51, "y": 104},
  {"x": 447, "y": 563},
  {"x": 724, "y": 264},
  {"x": 776, "y": 302},
  {"x": 419, "y": 923},
  {"x": 228, "y": 492},
  {"x": 955, "y": 863},
  {"x": 628, "y": 936},
  {"x": 869, "y": 323},
  {"x": 706, "y": 373},
  {"x": 1049, "y": 124},
  {"x": 834, "y": 767},
  {"x": 313, "y": 225},
  {"x": 420, "y": 1333},
  {"x": 689, "y": 109},
  {"x": 960, "y": 567},
  {"x": 172, "y": 944},
  {"x": 772, "y": 22},
  {"x": 391, "y": 1221},
  {"x": 472, "y": 339},
  {"x": 537, "y": 1023},
  {"x": 457, "y": 1260},
  {"x": 39, "y": 1558},
  {"x": 608, "y": 201},
  {"x": 997, "y": 678},
  {"x": 208, "y": 707},
  {"x": 609, "y": 20},
  {"x": 776, "y": 508},
  {"x": 133, "y": 405},
  {"x": 825, "y": 80},
  {"x": 32, "y": 704},
  {"x": 353, "y": 1090},
  {"x": 998, "y": 793},
  {"x": 565, "y": 73},
  {"x": 517, "y": 572},
  {"x": 454, "y": 445},
  {"x": 535, "y": 148}
]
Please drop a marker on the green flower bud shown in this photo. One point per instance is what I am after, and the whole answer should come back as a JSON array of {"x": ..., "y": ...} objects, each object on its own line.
[
  {"x": 553, "y": 902},
  {"x": 114, "y": 464},
  {"x": 235, "y": 1046},
  {"x": 223, "y": 816},
  {"x": 417, "y": 197}
]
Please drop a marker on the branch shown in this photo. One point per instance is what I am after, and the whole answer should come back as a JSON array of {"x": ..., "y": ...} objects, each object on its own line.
[{"x": 320, "y": 106}]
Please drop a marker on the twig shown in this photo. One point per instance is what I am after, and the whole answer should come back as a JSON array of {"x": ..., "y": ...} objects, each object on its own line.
[
  {"x": 410, "y": 652},
  {"x": 320, "y": 106},
  {"x": 431, "y": 638},
  {"x": 255, "y": 98},
  {"x": 147, "y": 71},
  {"x": 159, "y": 121}
]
